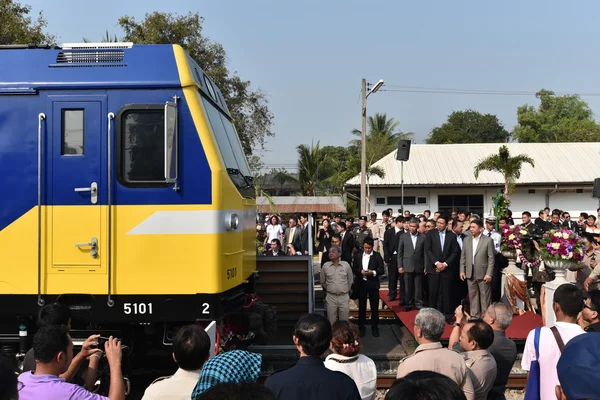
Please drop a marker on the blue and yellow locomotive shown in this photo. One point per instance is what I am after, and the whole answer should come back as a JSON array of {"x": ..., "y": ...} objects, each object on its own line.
[{"x": 125, "y": 193}]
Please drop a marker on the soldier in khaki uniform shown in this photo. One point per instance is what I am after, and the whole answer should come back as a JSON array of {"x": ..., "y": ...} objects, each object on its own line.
[
  {"x": 375, "y": 227},
  {"x": 336, "y": 279},
  {"x": 191, "y": 349},
  {"x": 361, "y": 233},
  {"x": 431, "y": 356}
]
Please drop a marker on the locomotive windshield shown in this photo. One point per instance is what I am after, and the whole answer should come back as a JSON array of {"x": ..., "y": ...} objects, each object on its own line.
[{"x": 230, "y": 148}]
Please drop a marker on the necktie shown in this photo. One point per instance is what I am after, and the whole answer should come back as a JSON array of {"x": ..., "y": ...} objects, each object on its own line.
[
  {"x": 442, "y": 236},
  {"x": 489, "y": 234}
]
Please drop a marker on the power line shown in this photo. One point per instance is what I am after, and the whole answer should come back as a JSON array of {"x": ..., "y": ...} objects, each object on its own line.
[{"x": 487, "y": 92}]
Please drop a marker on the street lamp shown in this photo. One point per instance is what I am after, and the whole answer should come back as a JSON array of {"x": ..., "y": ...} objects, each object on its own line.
[{"x": 363, "y": 142}]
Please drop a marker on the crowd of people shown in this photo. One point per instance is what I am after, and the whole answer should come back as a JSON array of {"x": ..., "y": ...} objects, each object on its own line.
[
  {"x": 475, "y": 365},
  {"x": 443, "y": 266}
]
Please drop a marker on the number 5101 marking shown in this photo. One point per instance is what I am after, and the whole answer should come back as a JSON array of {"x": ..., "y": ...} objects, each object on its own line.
[{"x": 137, "y": 308}]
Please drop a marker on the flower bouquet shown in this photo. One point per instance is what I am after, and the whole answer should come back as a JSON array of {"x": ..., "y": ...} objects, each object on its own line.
[
  {"x": 561, "y": 249},
  {"x": 511, "y": 239},
  {"x": 561, "y": 246}
]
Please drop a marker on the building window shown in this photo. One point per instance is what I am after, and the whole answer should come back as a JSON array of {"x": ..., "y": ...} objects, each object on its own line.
[
  {"x": 397, "y": 200},
  {"x": 141, "y": 153},
  {"x": 72, "y": 132},
  {"x": 450, "y": 203},
  {"x": 380, "y": 200},
  {"x": 421, "y": 200}
]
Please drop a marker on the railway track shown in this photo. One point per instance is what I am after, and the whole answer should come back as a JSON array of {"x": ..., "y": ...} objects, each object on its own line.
[
  {"x": 386, "y": 381},
  {"x": 514, "y": 381}
]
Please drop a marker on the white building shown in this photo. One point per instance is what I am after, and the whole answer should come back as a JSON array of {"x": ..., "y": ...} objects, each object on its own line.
[{"x": 441, "y": 178}]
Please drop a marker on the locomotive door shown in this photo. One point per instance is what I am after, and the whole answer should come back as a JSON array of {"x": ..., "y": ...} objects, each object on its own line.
[{"x": 77, "y": 183}]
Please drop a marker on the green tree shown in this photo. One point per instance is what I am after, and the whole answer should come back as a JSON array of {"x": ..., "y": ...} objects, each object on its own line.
[
  {"x": 509, "y": 167},
  {"x": 248, "y": 107},
  {"x": 312, "y": 168},
  {"x": 469, "y": 127},
  {"x": 558, "y": 119},
  {"x": 17, "y": 26}
]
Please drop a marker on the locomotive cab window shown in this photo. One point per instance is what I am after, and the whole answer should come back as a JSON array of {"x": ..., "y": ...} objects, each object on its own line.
[{"x": 147, "y": 145}]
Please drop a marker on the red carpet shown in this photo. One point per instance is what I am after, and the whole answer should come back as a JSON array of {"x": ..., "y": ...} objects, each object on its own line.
[{"x": 518, "y": 330}]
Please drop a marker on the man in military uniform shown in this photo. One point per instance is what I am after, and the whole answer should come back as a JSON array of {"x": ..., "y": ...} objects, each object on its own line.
[
  {"x": 337, "y": 220},
  {"x": 191, "y": 346},
  {"x": 362, "y": 232},
  {"x": 376, "y": 229}
]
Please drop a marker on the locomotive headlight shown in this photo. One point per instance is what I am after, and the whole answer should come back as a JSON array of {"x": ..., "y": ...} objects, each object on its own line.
[{"x": 232, "y": 222}]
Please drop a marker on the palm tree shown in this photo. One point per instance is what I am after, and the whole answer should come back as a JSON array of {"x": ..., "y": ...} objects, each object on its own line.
[
  {"x": 509, "y": 167},
  {"x": 382, "y": 138},
  {"x": 312, "y": 162}
]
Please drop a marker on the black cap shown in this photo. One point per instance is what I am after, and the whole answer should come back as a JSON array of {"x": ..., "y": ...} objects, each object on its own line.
[
  {"x": 363, "y": 218},
  {"x": 338, "y": 216}
]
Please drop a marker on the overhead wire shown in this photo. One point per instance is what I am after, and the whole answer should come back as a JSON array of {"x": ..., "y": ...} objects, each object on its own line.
[{"x": 487, "y": 92}]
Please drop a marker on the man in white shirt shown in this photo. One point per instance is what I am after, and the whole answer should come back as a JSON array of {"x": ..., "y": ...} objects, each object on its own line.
[
  {"x": 191, "y": 346},
  {"x": 568, "y": 303}
]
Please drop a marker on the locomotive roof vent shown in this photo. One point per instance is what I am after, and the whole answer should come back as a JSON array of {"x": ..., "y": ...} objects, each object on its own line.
[{"x": 97, "y": 45}]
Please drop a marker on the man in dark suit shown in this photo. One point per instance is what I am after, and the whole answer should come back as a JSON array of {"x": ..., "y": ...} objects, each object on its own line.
[
  {"x": 368, "y": 267},
  {"x": 411, "y": 263},
  {"x": 442, "y": 252},
  {"x": 346, "y": 242},
  {"x": 275, "y": 250},
  {"x": 293, "y": 235},
  {"x": 304, "y": 236},
  {"x": 570, "y": 224},
  {"x": 309, "y": 378},
  {"x": 390, "y": 253}
]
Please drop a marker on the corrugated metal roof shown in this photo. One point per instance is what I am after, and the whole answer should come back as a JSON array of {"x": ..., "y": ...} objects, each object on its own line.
[
  {"x": 306, "y": 204},
  {"x": 453, "y": 164}
]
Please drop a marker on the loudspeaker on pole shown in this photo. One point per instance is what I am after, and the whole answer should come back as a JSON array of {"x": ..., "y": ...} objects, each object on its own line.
[
  {"x": 596, "y": 189},
  {"x": 403, "y": 150}
]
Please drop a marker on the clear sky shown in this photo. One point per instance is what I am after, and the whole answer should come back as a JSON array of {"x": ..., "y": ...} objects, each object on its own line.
[{"x": 310, "y": 56}]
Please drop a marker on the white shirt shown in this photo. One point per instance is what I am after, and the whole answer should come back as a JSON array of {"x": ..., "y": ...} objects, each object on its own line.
[
  {"x": 475, "y": 244},
  {"x": 414, "y": 240},
  {"x": 362, "y": 370},
  {"x": 549, "y": 355},
  {"x": 177, "y": 387},
  {"x": 365, "y": 264},
  {"x": 396, "y": 229},
  {"x": 274, "y": 232},
  {"x": 460, "y": 241}
]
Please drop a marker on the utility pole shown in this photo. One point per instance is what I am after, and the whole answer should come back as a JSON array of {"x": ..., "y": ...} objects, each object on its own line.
[
  {"x": 402, "y": 186},
  {"x": 363, "y": 151}
]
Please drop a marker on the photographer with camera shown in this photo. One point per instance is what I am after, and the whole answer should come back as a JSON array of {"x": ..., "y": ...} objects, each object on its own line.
[{"x": 473, "y": 337}]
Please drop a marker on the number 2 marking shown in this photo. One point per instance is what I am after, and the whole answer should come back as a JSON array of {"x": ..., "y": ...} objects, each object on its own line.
[{"x": 205, "y": 309}]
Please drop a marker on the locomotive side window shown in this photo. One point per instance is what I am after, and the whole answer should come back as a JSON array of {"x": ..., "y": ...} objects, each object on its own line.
[
  {"x": 72, "y": 132},
  {"x": 220, "y": 133},
  {"x": 142, "y": 146}
]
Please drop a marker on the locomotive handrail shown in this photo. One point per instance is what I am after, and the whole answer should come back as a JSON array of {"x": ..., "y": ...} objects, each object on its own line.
[
  {"x": 40, "y": 301},
  {"x": 109, "y": 301}
]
